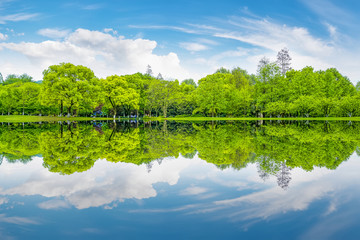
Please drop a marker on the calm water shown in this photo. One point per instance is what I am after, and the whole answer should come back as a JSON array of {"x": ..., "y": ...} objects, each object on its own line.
[{"x": 235, "y": 180}]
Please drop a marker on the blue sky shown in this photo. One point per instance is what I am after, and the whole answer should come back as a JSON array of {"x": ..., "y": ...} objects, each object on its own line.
[{"x": 180, "y": 39}]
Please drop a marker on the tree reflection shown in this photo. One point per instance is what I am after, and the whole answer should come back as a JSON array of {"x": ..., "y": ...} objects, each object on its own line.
[
  {"x": 72, "y": 150},
  {"x": 275, "y": 148}
]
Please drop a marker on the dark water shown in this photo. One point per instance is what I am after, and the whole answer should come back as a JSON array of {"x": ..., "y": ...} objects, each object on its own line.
[{"x": 234, "y": 180}]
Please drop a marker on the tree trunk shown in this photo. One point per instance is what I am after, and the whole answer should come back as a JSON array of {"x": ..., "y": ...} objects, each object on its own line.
[
  {"x": 115, "y": 112},
  {"x": 61, "y": 108},
  {"x": 165, "y": 111}
]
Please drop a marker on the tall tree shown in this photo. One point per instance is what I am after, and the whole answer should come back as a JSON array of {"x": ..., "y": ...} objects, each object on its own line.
[
  {"x": 262, "y": 63},
  {"x": 154, "y": 95},
  {"x": 70, "y": 86},
  {"x": 160, "y": 77},
  {"x": 170, "y": 93},
  {"x": 283, "y": 176},
  {"x": 149, "y": 70},
  {"x": 283, "y": 60}
]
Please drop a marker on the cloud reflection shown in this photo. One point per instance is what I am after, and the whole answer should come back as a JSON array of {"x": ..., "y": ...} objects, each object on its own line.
[{"x": 105, "y": 183}]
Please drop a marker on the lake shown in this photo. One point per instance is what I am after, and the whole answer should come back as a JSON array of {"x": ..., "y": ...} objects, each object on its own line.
[{"x": 180, "y": 180}]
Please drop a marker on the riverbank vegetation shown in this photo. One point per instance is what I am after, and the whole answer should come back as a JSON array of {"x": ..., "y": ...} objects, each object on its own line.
[{"x": 275, "y": 91}]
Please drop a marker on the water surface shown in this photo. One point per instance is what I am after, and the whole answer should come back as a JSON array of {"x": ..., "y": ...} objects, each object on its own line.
[{"x": 216, "y": 180}]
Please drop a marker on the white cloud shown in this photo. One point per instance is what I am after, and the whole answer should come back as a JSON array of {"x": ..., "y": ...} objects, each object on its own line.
[
  {"x": 103, "y": 53},
  {"x": 3, "y": 37},
  {"x": 193, "y": 47},
  {"x": 110, "y": 30},
  {"x": 54, "y": 204},
  {"x": 53, "y": 33},
  {"x": 104, "y": 184}
]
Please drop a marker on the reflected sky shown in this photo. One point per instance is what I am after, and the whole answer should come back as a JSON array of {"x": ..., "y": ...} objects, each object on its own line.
[
  {"x": 177, "y": 198},
  {"x": 176, "y": 195}
]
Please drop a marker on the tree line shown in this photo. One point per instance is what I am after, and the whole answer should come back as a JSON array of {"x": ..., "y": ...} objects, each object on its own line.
[{"x": 275, "y": 90}]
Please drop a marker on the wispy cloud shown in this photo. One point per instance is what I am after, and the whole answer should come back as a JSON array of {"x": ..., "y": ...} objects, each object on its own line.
[
  {"x": 193, "y": 46},
  {"x": 193, "y": 191},
  {"x": 92, "y": 7},
  {"x": 4, "y": 3},
  {"x": 207, "y": 41},
  {"x": 331, "y": 12},
  {"x": 266, "y": 36},
  {"x": 17, "y": 220},
  {"x": 17, "y": 17},
  {"x": 88, "y": 7},
  {"x": 175, "y": 28}
]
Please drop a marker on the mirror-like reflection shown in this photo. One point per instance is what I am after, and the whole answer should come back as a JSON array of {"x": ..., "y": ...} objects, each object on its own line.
[
  {"x": 230, "y": 172},
  {"x": 276, "y": 148}
]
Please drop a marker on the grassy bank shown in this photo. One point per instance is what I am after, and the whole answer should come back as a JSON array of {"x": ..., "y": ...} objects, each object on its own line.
[
  {"x": 253, "y": 119},
  {"x": 26, "y": 118}
]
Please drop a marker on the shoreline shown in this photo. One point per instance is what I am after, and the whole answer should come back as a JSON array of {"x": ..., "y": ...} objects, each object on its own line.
[{"x": 26, "y": 118}]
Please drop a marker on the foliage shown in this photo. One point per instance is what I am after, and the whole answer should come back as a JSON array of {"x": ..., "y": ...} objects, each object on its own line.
[
  {"x": 67, "y": 85},
  {"x": 118, "y": 92}
]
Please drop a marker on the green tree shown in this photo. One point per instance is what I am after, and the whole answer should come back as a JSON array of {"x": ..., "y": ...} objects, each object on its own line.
[
  {"x": 189, "y": 81},
  {"x": 211, "y": 93},
  {"x": 13, "y": 78},
  {"x": 70, "y": 86},
  {"x": 267, "y": 87},
  {"x": 29, "y": 98},
  {"x": 169, "y": 94},
  {"x": 154, "y": 95},
  {"x": 118, "y": 93}
]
